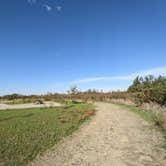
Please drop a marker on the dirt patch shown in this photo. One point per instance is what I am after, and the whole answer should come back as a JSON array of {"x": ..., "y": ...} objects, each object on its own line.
[
  {"x": 114, "y": 137},
  {"x": 29, "y": 105}
]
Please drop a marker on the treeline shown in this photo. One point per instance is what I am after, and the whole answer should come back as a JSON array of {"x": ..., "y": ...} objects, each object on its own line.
[
  {"x": 143, "y": 90},
  {"x": 16, "y": 96},
  {"x": 149, "y": 89},
  {"x": 76, "y": 95}
]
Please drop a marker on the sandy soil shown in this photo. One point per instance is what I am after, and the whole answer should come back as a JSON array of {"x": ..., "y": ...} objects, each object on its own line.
[
  {"x": 114, "y": 137},
  {"x": 29, "y": 105}
]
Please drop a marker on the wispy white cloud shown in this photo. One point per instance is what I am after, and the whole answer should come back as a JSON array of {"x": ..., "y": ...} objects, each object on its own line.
[
  {"x": 32, "y": 1},
  {"x": 58, "y": 8},
  {"x": 154, "y": 71},
  {"x": 47, "y": 7}
]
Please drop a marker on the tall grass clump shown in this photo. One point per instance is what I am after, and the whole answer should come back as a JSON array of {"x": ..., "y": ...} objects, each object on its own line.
[{"x": 158, "y": 112}]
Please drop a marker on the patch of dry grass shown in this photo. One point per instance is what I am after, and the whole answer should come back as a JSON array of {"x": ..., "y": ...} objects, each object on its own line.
[{"x": 158, "y": 112}]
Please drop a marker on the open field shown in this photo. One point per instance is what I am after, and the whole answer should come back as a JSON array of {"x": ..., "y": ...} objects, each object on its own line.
[{"x": 24, "y": 133}]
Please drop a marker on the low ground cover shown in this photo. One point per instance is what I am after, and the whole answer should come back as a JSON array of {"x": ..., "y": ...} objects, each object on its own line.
[{"x": 28, "y": 132}]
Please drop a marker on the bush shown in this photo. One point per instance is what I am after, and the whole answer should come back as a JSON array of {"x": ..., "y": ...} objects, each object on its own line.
[{"x": 149, "y": 89}]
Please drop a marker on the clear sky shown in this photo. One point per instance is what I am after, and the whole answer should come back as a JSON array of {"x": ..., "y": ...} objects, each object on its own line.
[{"x": 48, "y": 45}]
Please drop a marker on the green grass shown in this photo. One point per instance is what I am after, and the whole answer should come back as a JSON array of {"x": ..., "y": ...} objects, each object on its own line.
[{"x": 28, "y": 132}]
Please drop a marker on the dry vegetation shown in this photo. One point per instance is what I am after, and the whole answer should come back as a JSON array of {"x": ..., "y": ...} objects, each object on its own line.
[
  {"x": 158, "y": 112},
  {"x": 148, "y": 93}
]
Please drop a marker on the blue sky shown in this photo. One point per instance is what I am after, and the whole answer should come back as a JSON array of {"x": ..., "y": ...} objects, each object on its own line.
[{"x": 48, "y": 45}]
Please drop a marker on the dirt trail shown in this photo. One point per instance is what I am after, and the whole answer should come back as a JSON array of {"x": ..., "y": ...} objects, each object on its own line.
[{"x": 114, "y": 137}]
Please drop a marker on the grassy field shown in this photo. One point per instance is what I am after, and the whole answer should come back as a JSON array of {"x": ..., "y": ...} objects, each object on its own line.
[{"x": 26, "y": 133}]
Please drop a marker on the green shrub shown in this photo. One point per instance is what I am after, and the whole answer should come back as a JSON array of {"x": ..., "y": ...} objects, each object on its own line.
[{"x": 149, "y": 89}]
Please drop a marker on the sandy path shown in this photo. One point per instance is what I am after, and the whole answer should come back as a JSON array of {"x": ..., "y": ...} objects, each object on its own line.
[
  {"x": 29, "y": 105},
  {"x": 114, "y": 137}
]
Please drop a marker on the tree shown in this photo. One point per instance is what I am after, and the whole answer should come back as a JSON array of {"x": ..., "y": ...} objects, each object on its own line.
[
  {"x": 73, "y": 90},
  {"x": 148, "y": 79},
  {"x": 150, "y": 89},
  {"x": 136, "y": 86}
]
